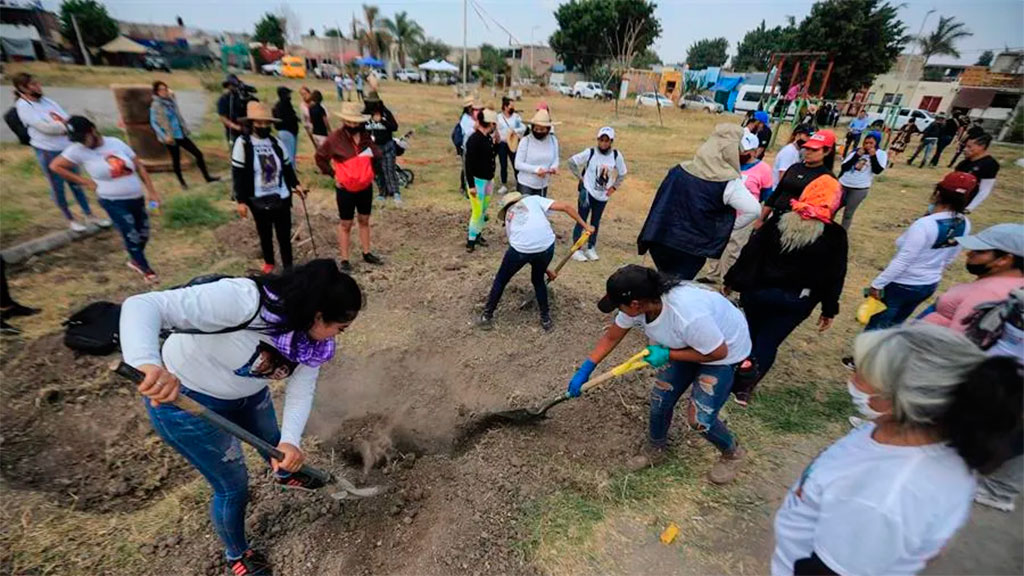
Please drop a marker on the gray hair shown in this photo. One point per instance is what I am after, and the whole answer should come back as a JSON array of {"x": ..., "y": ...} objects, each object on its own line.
[
  {"x": 918, "y": 367},
  {"x": 796, "y": 233}
]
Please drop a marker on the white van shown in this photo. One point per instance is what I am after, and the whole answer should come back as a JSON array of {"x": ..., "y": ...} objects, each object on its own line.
[{"x": 749, "y": 95}]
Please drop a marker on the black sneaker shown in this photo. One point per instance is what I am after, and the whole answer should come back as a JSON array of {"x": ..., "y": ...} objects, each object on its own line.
[
  {"x": 369, "y": 258},
  {"x": 547, "y": 323},
  {"x": 486, "y": 321},
  {"x": 212, "y": 179},
  {"x": 8, "y": 330},
  {"x": 18, "y": 310},
  {"x": 299, "y": 481},
  {"x": 470, "y": 245},
  {"x": 481, "y": 240},
  {"x": 346, "y": 266},
  {"x": 252, "y": 563},
  {"x": 848, "y": 362}
]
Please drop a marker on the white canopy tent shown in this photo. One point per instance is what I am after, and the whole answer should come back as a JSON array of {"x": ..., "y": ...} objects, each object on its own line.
[{"x": 438, "y": 66}]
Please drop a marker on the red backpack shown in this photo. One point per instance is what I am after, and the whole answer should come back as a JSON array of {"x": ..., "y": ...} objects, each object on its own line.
[{"x": 355, "y": 174}]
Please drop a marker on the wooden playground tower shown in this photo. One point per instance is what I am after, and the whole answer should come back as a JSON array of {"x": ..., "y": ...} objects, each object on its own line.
[{"x": 807, "y": 94}]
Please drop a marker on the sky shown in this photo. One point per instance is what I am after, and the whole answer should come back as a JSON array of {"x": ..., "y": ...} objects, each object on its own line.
[{"x": 995, "y": 23}]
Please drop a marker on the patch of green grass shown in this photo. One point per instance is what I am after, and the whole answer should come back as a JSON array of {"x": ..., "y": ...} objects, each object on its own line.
[
  {"x": 26, "y": 167},
  {"x": 13, "y": 219},
  {"x": 799, "y": 410},
  {"x": 565, "y": 516},
  {"x": 648, "y": 484},
  {"x": 195, "y": 210}
]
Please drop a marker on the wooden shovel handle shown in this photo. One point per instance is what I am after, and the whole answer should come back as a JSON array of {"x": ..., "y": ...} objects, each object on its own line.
[
  {"x": 579, "y": 244},
  {"x": 634, "y": 363}
]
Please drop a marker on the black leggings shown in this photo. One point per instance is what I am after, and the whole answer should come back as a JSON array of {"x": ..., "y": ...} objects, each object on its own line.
[
  {"x": 5, "y": 293},
  {"x": 190, "y": 146},
  {"x": 267, "y": 221}
]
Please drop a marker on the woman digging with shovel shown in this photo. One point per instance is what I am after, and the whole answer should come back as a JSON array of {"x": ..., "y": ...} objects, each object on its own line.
[
  {"x": 231, "y": 338},
  {"x": 699, "y": 338}
]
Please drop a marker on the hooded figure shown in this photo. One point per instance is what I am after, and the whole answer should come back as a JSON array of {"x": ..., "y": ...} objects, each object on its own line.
[{"x": 697, "y": 207}]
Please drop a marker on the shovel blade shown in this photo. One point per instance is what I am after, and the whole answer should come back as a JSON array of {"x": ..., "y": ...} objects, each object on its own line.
[{"x": 520, "y": 416}]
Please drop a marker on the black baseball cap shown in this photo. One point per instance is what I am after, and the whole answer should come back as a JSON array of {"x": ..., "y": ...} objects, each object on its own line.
[
  {"x": 803, "y": 129},
  {"x": 631, "y": 282},
  {"x": 78, "y": 127},
  {"x": 230, "y": 80}
]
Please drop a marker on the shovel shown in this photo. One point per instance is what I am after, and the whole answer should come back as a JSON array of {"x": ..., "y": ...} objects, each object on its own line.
[
  {"x": 528, "y": 415},
  {"x": 348, "y": 490},
  {"x": 558, "y": 268}
]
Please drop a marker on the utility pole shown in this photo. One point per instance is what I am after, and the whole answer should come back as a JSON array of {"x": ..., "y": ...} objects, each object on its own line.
[
  {"x": 906, "y": 65},
  {"x": 81, "y": 44},
  {"x": 465, "y": 54}
]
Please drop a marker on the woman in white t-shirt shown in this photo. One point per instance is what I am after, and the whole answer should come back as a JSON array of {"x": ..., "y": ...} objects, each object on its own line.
[
  {"x": 698, "y": 336},
  {"x": 230, "y": 339},
  {"x": 530, "y": 241},
  {"x": 119, "y": 182},
  {"x": 887, "y": 497},
  {"x": 858, "y": 172}
]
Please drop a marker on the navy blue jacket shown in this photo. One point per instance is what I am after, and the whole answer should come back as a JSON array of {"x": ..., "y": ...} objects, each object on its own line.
[{"x": 689, "y": 215}]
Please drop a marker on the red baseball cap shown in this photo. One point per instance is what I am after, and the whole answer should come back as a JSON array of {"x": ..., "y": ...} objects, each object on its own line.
[
  {"x": 959, "y": 182},
  {"x": 821, "y": 139}
]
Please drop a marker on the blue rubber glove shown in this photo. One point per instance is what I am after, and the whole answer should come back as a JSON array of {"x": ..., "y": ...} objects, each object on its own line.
[
  {"x": 657, "y": 356},
  {"x": 580, "y": 377}
]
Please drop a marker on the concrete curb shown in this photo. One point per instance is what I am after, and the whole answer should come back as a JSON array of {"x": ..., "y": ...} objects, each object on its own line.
[{"x": 52, "y": 241}]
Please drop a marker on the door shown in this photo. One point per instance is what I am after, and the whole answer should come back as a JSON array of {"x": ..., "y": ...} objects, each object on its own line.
[{"x": 930, "y": 103}]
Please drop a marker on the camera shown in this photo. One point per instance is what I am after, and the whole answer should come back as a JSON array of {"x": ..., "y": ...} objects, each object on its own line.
[{"x": 246, "y": 92}]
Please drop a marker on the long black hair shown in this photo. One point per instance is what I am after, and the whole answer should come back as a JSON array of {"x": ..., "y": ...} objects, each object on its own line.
[
  {"x": 300, "y": 293},
  {"x": 984, "y": 416}
]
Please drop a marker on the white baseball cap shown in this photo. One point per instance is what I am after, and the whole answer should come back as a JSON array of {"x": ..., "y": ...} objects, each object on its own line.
[
  {"x": 607, "y": 131},
  {"x": 1007, "y": 238},
  {"x": 749, "y": 142}
]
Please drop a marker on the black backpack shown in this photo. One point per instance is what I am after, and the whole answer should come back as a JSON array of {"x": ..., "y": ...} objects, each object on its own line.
[
  {"x": 16, "y": 125},
  {"x": 458, "y": 137},
  {"x": 94, "y": 330}
]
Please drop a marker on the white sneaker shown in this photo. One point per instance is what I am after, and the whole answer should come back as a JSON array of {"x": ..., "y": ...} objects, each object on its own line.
[
  {"x": 857, "y": 422},
  {"x": 77, "y": 226},
  {"x": 398, "y": 199},
  {"x": 985, "y": 499},
  {"x": 503, "y": 190},
  {"x": 101, "y": 222},
  {"x": 579, "y": 256},
  {"x": 591, "y": 254}
]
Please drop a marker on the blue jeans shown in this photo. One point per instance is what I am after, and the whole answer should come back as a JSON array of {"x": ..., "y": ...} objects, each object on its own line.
[
  {"x": 594, "y": 209},
  {"x": 57, "y": 185},
  {"x": 714, "y": 383},
  {"x": 926, "y": 145},
  {"x": 218, "y": 456},
  {"x": 512, "y": 263},
  {"x": 291, "y": 143},
  {"x": 131, "y": 220},
  {"x": 676, "y": 262},
  {"x": 772, "y": 315},
  {"x": 900, "y": 301}
]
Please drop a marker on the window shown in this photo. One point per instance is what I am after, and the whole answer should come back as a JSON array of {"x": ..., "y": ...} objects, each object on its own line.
[
  {"x": 752, "y": 97},
  {"x": 930, "y": 103}
]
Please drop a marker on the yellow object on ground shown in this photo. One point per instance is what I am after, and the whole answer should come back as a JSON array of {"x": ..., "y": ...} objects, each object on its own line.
[
  {"x": 868, "y": 308},
  {"x": 670, "y": 533},
  {"x": 293, "y": 67}
]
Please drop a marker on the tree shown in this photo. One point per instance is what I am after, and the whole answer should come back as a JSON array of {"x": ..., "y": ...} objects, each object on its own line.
[
  {"x": 646, "y": 59},
  {"x": 312, "y": 32},
  {"x": 707, "y": 52},
  {"x": 593, "y": 31},
  {"x": 269, "y": 30},
  {"x": 863, "y": 36},
  {"x": 405, "y": 32},
  {"x": 96, "y": 25},
  {"x": 754, "y": 52},
  {"x": 290, "y": 23},
  {"x": 942, "y": 40},
  {"x": 492, "y": 60},
  {"x": 371, "y": 33},
  {"x": 333, "y": 33},
  {"x": 429, "y": 49},
  {"x": 985, "y": 59}
]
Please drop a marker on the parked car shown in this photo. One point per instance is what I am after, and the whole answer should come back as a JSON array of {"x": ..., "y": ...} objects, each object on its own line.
[
  {"x": 589, "y": 90},
  {"x": 922, "y": 118},
  {"x": 152, "y": 63},
  {"x": 748, "y": 97},
  {"x": 272, "y": 69},
  {"x": 408, "y": 75},
  {"x": 653, "y": 99},
  {"x": 561, "y": 88},
  {"x": 697, "y": 102}
]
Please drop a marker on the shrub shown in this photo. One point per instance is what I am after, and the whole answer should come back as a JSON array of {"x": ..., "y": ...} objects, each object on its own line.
[{"x": 192, "y": 211}]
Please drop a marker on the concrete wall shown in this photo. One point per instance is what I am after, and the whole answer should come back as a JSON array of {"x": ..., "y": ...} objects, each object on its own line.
[{"x": 913, "y": 91}]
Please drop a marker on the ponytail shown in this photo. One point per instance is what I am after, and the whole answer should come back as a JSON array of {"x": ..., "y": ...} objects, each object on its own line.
[
  {"x": 830, "y": 160},
  {"x": 984, "y": 413},
  {"x": 661, "y": 281}
]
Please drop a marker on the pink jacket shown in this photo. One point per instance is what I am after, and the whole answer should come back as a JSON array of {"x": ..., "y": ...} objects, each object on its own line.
[{"x": 959, "y": 301}]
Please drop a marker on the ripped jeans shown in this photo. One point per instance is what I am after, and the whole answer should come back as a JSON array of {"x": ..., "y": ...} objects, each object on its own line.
[
  {"x": 710, "y": 390},
  {"x": 218, "y": 456}
]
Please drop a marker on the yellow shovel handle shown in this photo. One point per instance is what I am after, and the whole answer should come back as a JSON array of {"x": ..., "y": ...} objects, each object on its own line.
[{"x": 634, "y": 363}]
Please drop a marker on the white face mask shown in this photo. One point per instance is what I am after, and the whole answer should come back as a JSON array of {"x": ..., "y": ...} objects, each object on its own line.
[{"x": 860, "y": 400}]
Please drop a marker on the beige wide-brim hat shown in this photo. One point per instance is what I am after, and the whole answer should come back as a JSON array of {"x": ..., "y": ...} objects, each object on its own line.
[
  {"x": 507, "y": 202},
  {"x": 257, "y": 111},
  {"x": 490, "y": 116},
  {"x": 469, "y": 101},
  {"x": 352, "y": 112},
  {"x": 542, "y": 118}
]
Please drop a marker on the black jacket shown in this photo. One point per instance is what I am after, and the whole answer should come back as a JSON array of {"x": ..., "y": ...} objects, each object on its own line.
[
  {"x": 819, "y": 267},
  {"x": 382, "y": 131},
  {"x": 285, "y": 112},
  {"x": 480, "y": 156}
]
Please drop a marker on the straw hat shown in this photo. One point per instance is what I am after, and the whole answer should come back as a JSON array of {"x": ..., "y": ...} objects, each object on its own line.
[
  {"x": 507, "y": 202},
  {"x": 490, "y": 116},
  {"x": 352, "y": 112},
  {"x": 542, "y": 118},
  {"x": 257, "y": 111},
  {"x": 468, "y": 100}
]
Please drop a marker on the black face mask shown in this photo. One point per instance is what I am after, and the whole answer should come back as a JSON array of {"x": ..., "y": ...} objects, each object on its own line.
[
  {"x": 261, "y": 132},
  {"x": 540, "y": 136},
  {"x": 977, "y": 269},
  {"x": 353, "y": 129}
]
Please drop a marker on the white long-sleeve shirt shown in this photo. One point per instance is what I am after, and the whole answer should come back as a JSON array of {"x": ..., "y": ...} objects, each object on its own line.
[
  {"x": 508, "y": 125},
  {"x": 924, "y": 251},
  {"x": 532, "y": 155},
  {"x": 739, "y": 197},
  {"x": 984, "y": 189},
  {"x": 226, "y": 366},
  {"x": 468, "y": 127},
  {"x": 45, "y": 122}
]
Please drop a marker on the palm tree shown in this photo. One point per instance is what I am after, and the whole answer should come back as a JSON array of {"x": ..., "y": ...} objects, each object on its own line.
[
  {"x": 371, "y": 33},
  {"x": 405, "y": 31},
  {"x": 942, "y": 40}
]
